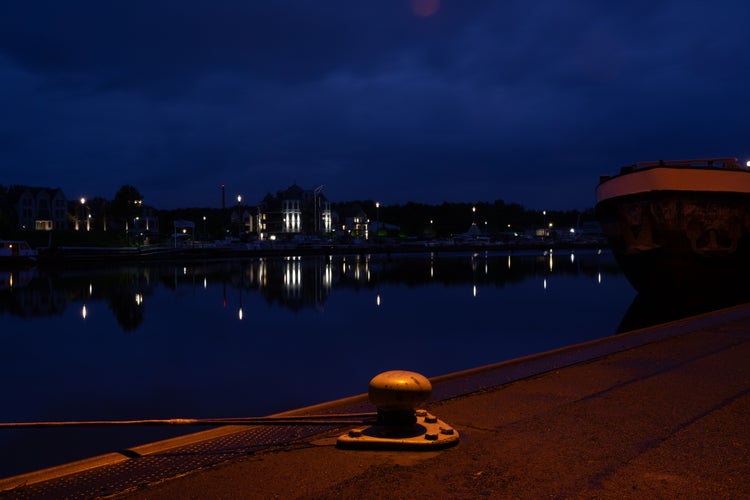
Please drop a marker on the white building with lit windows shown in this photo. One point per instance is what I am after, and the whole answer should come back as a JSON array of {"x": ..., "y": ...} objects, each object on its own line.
[
  {"x": 39, "y": 209},
  {"x": 294, "y": 211}
]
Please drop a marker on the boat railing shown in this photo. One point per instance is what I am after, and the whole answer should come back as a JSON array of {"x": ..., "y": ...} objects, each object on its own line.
[
  {"x": 698, "y": 162},
  {"x": 722, "y": 163}
]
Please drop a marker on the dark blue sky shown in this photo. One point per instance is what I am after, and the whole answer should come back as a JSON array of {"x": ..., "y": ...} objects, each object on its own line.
[{"x": 390, "y": 100}]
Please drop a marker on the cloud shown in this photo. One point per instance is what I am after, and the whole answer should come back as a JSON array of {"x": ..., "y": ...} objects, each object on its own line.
[{"x": 477, "y": 99}]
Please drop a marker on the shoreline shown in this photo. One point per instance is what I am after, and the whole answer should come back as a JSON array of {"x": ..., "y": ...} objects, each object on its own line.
[{"x": 61, "y": 256}]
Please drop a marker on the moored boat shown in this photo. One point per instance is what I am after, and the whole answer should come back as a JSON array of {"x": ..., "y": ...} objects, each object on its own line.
[
  {"x": 680, "y": 225},
  {"x": 15, "y": 253}
]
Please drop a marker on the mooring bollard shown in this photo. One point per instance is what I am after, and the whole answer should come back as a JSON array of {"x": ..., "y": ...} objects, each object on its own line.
[{"x": 400, "y": 424}]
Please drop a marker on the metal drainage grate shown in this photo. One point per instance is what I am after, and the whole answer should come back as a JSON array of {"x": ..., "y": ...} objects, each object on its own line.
[{"x": 140, "y": 470}]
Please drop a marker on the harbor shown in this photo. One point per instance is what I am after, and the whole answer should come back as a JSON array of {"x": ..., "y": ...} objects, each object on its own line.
[
  {"x": 418, "y": 249},
  {"x": 266, "y": 335},
  {"x": 657, "y": 412}
]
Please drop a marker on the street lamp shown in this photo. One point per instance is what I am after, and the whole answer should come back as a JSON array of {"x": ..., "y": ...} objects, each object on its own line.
[
  {"x": 377, "y": 219},
  {"x": 83, "y": 215},
  {"x": 239, "y": 215},
  {"x": 204, "y": 227},
  {"x": 316, "y": 208}
]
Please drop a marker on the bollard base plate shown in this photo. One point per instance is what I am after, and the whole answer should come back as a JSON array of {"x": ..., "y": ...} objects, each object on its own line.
[{"x": 428, "y": 433}]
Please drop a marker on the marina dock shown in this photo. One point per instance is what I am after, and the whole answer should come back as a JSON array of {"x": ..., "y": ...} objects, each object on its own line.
[{"x": 660, "y": 412}]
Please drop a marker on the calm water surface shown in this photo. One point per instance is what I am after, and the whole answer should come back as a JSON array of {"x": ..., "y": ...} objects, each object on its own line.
[{"x": 245, "y": 338}]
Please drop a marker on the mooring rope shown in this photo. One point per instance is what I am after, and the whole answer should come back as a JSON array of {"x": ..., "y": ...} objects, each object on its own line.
[{"x": 331, "y": 419}]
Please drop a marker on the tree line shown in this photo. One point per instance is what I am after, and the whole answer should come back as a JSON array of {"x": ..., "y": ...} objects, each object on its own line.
[{"x": 405, "y": 220}]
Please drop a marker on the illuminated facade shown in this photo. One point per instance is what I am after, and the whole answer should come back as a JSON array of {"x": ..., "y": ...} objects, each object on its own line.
[
  {"x": 40, "y": 209},
  {"x": 292, "y": 214},
  {"x": 294, "y": 211},
  {"x": 356, "y": 223}
]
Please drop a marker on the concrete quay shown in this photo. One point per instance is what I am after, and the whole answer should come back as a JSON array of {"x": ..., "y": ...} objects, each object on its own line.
[{"x": 662, "y": 412}]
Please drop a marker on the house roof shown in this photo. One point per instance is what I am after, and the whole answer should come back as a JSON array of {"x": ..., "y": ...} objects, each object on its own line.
[{"x": 16, "y": 191}]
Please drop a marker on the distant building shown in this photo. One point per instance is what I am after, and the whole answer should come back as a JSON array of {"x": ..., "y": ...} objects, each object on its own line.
[
  {"x": 144, "y": 226},
  {"x": 294, "y": 211},
  {"x": 354, "y": 221},
  {"x": 38, "y": 208},
  {"x": 357, "y": 225}
]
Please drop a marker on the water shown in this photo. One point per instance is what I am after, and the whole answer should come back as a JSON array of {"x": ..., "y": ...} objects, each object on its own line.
[{"x": 255, "y": 337}]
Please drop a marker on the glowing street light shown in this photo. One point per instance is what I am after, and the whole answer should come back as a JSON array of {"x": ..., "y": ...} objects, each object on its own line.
[
  {"x": 83, "y": 215},
  {"x": 377, "y": 218},
  {"x": 239, "y": 216}
]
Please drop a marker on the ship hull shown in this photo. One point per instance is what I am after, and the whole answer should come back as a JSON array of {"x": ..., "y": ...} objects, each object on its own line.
[{"x": 685, "y": 240}]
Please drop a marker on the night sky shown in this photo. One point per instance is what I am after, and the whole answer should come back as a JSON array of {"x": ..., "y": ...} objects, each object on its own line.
[{"x": 389, "y": 100}]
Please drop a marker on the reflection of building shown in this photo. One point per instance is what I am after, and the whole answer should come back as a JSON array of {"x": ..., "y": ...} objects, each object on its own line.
[
  {"x": 292, "y": 278},
  {"x": 42, "y": 209},
  {"x": 26, "y": 301},
  {"x": 293, "y": 282},
  {"x": 294, "y": 211}
]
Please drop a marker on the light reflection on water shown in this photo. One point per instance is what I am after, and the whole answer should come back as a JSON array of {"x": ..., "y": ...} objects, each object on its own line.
[{"x": 243, "y": 338}]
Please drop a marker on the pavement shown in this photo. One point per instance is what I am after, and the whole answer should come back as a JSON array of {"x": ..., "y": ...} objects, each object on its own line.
[{"x": 661, "y": 412}]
